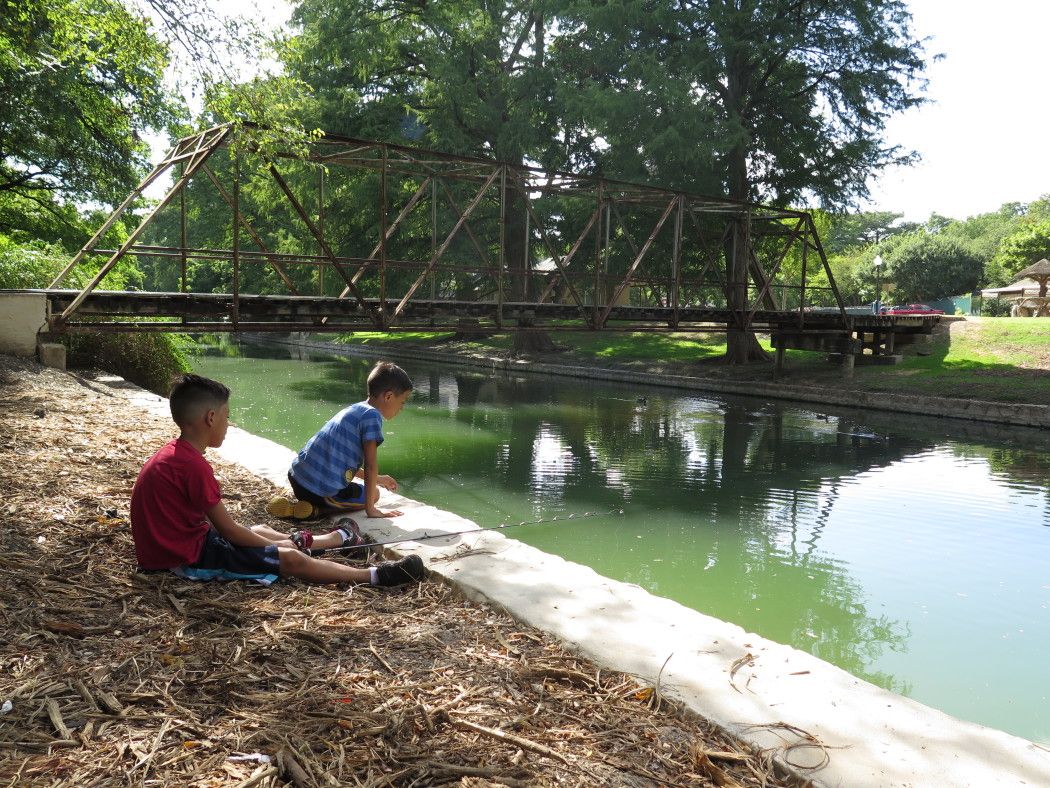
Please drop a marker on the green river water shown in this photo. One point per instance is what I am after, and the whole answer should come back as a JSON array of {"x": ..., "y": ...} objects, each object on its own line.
[{"x": 912, "y": 552}]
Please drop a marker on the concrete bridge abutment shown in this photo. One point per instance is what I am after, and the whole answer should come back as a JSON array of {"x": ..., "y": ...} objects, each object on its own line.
[{"x": 24, "y": 329}]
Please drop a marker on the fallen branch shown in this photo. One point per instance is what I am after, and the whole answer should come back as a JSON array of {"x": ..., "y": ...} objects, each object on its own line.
[
  {"x": 525, "y": 744},
  {"x": 56, "y": 719}
]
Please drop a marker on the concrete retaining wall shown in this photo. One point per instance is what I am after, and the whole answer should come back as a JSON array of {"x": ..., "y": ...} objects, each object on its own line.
[
  {"x": 22, "y": 315},
  {"x": 973, "y": 410}
]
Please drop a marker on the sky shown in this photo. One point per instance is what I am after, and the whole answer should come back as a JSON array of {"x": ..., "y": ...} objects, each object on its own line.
[{"x": 984, "y": 138}]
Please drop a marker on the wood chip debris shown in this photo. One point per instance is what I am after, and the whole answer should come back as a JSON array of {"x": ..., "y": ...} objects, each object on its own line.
[{"x": 115, "y": 677}]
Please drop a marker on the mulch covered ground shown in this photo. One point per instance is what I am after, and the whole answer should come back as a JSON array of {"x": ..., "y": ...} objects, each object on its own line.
[{"x": 109, "y": 677}]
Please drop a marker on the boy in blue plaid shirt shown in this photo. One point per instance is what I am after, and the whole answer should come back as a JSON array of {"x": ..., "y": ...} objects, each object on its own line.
[{"x": 337, "y": 470}]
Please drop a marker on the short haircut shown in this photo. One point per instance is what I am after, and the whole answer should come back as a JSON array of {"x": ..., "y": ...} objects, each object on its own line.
[
  {"x": 192, "y": 396},
  {"x": 388, "y": 376}
]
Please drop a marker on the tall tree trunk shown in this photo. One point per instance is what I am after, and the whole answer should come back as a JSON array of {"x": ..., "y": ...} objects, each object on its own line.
[
  {"x": 527, "y": 339},
  {"x": 741, "y": 346}
]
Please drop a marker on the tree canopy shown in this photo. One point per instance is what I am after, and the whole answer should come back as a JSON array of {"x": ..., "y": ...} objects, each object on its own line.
[
  {"x": 1028, "y": 244},
  {"x": 792, "y": 95},
  {"x": 852, "y": 230},
  {"x": 462, "y": 76},
  {"x": 925, "y": 266},
  {"x": 80, "y": 82}
]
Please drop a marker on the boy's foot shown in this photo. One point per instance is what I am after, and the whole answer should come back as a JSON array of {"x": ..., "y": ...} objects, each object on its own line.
[
  {"x": 284, "y": 507},
  {"x": 355, "y": 544},
  {"x": 395, "y": 573}
]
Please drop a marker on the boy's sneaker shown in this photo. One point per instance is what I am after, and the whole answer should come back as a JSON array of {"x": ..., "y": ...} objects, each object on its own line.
[
  {"x": 303, "y": 540},
  {"x": 395, "y": 573},
  {"x": 284, "y": 507},
  {"x": 355, "y": 544}
]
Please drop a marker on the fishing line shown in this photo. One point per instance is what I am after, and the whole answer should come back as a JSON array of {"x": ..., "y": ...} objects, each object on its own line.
[{"x": 501, "y": 527}]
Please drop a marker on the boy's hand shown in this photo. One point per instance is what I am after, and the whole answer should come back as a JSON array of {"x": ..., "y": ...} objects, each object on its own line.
[
  {"x": 386, "y": 482},
  {"x": 371, "y": 511}
]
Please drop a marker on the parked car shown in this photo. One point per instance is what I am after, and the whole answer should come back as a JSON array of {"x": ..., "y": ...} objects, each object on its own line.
[{"x": 911, "y": 309}]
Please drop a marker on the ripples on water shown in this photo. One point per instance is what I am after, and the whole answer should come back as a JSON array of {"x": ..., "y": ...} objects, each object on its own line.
[{"x": 912, "y": 552}]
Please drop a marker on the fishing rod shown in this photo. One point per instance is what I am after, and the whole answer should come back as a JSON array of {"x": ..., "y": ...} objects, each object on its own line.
[{"x": 501, "y": 527}]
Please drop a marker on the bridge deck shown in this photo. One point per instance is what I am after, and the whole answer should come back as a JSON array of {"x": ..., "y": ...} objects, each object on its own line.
[{"x": 222, "y": 312}]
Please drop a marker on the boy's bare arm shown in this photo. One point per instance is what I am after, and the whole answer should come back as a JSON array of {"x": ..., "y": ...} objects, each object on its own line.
[
  {"x": 232, "y": 532},
  {"x": 382, "y": 480},
  {"x": 372, "y": 482}
]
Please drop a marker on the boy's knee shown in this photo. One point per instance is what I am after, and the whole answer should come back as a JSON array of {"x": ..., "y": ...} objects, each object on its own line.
[{"x": 292, "y": 560}]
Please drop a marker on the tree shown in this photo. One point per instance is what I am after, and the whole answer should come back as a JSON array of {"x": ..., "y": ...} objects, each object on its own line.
[
  {"x": 80, "y": 82},
  {"x": 925, "y": 266},
  {"x": 796, "y": 93},
  {"x": 860, "y": 229},
  {"x": 985, "y": 232},
  {"x": 1028, "y": 244},
  {"x": 461, "y": 76}
]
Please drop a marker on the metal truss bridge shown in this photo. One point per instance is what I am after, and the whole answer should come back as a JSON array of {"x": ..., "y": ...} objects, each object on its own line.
[{"x": 362, "y": 235}]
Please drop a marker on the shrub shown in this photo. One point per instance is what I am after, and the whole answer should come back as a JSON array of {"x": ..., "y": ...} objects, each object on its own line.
[
  {"x": 25, "y": 266},
  {"x": 148, "y": 360},
  {"x": 995, "y": 307}
]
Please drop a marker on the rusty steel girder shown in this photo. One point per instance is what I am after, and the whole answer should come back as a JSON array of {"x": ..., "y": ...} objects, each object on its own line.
[{"x": 448, "y": 221}]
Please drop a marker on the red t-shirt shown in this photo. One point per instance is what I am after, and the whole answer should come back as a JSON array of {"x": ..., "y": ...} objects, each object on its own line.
[{"x": 174, "y": 489}]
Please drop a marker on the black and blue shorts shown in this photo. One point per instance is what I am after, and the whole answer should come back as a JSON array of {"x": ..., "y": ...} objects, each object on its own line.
[
  {"x": 220, "y": 560},
  {"x": 350, "y": 498}
]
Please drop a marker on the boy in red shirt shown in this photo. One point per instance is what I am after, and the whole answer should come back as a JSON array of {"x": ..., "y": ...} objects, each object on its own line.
[{"x": 179, "y": 523}]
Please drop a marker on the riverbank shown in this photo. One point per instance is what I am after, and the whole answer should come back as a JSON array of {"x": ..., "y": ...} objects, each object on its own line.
[
  {"x": 413, "y": 691},
  {"x": 978, "y": 369},
  {"x": 117, "y": 675}
]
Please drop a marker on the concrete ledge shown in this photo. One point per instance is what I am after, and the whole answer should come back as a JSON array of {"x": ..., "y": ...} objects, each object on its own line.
[
  {"x": 972, "y": 410},
  {"x": 764, "y": 692}
]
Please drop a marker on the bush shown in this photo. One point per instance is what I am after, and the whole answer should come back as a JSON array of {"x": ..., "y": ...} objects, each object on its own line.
[
  {"x": 995, "y": 307},
  {"x": 29, "y": 266},
  {"x": 148, "y": 360}
]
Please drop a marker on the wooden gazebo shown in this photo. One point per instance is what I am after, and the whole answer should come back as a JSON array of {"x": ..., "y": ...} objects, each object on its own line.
[
  {"x": 1034, "y": 306},
  {"x": 1040, "y": 272}
]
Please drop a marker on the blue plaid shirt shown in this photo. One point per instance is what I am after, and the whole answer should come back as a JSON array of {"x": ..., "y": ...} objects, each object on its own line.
[{"x": 332, "y": 456}]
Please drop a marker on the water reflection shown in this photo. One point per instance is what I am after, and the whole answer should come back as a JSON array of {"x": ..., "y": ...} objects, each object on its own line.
[{"x": 838, "y": 532}]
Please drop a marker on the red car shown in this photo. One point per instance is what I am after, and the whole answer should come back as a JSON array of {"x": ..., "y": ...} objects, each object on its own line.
[{"x": 911, "y": 309}]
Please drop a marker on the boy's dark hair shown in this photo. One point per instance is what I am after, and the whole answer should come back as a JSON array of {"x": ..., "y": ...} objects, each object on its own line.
[
  {"x": 388, "y": 376},
  {"x": 192, "y": 395}
]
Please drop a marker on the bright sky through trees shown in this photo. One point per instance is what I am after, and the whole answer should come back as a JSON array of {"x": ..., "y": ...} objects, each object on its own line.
[{"x": 984, "y": 139}]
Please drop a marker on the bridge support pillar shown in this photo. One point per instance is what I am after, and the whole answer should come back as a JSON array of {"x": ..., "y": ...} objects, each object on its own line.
[
  {"x": 778, "y": 366},
  {"x": 52, "y": 354},
  {"x": 849, "y": 360}
]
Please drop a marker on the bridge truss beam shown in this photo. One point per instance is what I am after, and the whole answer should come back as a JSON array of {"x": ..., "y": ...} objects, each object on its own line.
[{"x": 453, "y": 223}]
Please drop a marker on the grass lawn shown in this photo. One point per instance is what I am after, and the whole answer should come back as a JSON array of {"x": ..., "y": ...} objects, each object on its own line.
[
  {"x": 989, "y": 358},
  {"x": 1000, "y": 359}
]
